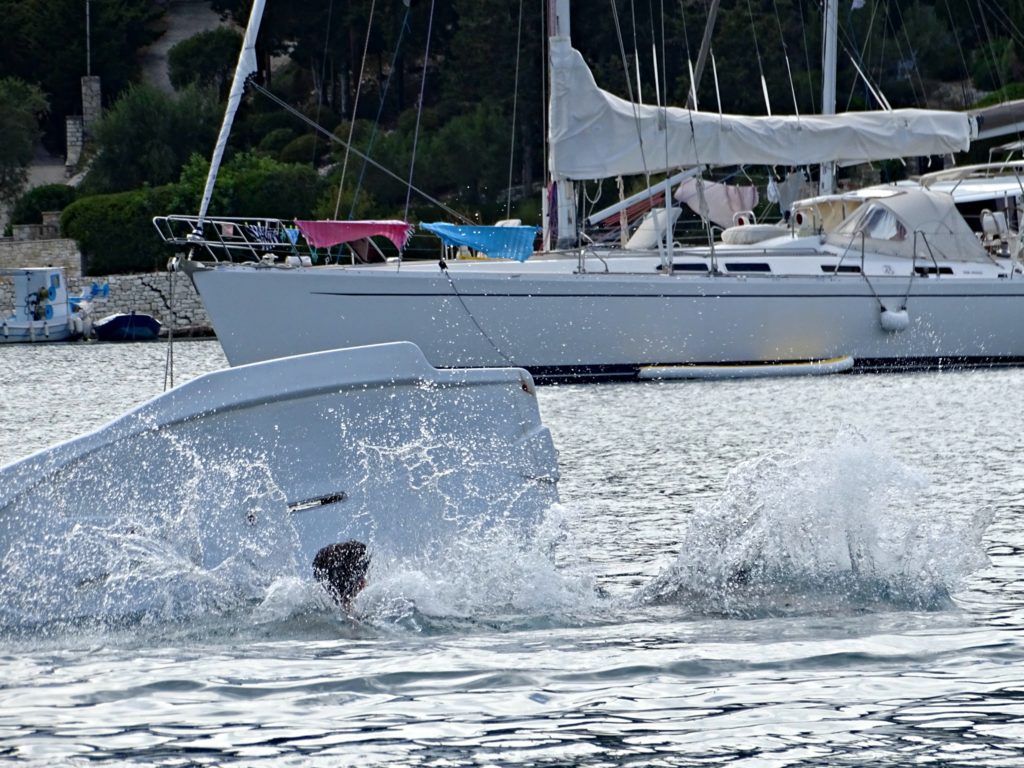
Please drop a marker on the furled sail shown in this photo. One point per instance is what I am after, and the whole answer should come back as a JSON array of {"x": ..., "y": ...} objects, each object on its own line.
[{"x": 595, "y": 135}]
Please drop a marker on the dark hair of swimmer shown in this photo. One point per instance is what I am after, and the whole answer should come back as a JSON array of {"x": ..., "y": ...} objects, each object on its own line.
[{"x": 342, "y": 568}]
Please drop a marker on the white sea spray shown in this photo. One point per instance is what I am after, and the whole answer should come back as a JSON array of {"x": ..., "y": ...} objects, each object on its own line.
[{"x": 842, "y": 525}]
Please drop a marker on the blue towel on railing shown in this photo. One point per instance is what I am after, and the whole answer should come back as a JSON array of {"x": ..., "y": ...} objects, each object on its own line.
[{"x": 496, "y": 242}]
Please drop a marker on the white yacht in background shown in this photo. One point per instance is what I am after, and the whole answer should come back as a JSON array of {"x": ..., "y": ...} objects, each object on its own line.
[{"x": 902, "y": 282}]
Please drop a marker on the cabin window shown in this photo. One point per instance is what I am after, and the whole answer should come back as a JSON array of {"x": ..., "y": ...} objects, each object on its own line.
[
  {"x": 690, "y": 266},
  {"x": 755, "y": 266},
  {"x": 842, "y": 269},
  {"x": 933, "y": 270}
]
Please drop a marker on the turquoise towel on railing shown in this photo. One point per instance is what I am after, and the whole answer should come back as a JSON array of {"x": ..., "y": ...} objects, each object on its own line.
[{"x": 496, "y": 242}]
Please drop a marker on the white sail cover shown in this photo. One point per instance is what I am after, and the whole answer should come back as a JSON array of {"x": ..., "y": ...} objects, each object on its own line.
[{"x": 595, "y": 135}]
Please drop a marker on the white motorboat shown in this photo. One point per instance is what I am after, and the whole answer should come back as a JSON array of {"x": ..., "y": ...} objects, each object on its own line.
[
  {"x": 907, "y": 284},
  {"x": 260, "y": 466},
  {"x": 42, "y": 310}
]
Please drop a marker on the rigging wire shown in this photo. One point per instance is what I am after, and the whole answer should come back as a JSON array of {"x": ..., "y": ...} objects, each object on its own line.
[
  {"x": 960, "y": 50},
  {"x": 419, "y": 113},
  {"x": 760, "y": 66},
  {"x": 915, "y": 69},
  {"x": 1015, "y": 36},
  {"x": 636, "y": 53},
  {"x": 702, "y": 202},
  {"x": 996, "y": 69},
  {"x": 355, "y": 107},
  {"x": 689, "y": 57},
  {"x": 857, "y": 54},
  {"x": 807, "y": 54},
  {"x": 669, "y": 216},
  {"x": 380, "y": 110},
  {"x": 785, "y": 55},
  {"x": 323, "y": 73},
  {"x": 989, "y": 53},
  {"x": 365, "y": 157},
  {"x": 629, "y": 90},
  {"x": 1005, "y": 19},
  {"x": 515, "y": 107}
]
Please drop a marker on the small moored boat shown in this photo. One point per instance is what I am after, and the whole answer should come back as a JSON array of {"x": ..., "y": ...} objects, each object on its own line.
[
  {"x": 134, "y": 326},
  {"x": 42, "y": 310}
]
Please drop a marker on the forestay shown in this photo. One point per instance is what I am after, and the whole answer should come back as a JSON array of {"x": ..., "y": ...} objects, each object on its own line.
[{"x": 594, "y": 134}]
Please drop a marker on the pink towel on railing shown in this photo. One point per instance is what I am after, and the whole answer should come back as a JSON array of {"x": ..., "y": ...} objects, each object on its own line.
[{"x": 324, "y": 234}]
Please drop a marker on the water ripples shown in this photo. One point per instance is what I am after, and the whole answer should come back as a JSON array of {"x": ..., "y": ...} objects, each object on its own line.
[{"x": 794, "y": 573}]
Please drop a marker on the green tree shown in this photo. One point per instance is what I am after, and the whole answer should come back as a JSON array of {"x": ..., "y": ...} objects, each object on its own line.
[
  {"x": 115, "y": 232},
  {"x": 207, "y": 59},
  {"x": 21, "y": 107},
  {"x": 49, "y": 197},
  {"x": 48, "y": 47},
  {"x": 147, "y": 136},
  {"x": 251, "y": 185}
]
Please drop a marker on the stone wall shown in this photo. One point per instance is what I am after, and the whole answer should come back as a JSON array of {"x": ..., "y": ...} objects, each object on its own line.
[
  {"x": 41, "y": 253},
  {"x": 149, "y": 293}
]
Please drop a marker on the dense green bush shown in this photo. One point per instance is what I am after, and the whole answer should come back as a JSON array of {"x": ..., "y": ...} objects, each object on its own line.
[
  {"x": 147, "y": 136},
  {"x": 276, "y": 140},
  {"x": 115, "y": 232},
  {"x": 49, "y": 197},
  {"x": 251, "y": 185},
  {"x": 205, "y": 59},
  {"x": 307, "y": 149}
]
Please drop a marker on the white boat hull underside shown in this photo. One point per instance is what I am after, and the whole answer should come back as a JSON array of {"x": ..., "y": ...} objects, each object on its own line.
[
  {"x": 260, "y": 466},
  {"x": 559, "y": 324}
]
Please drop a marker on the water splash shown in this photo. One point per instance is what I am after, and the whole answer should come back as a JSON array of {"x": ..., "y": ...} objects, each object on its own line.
[
  {"x": 483, "y": 578},
  {"x": 843, "y": 527}
]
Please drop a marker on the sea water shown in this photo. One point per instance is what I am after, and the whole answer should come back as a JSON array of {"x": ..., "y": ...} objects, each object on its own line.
[{"x": 817, "y": 571}]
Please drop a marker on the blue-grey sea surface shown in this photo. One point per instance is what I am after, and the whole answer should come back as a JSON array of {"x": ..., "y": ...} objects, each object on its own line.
[{"x": 791, "y": 572}]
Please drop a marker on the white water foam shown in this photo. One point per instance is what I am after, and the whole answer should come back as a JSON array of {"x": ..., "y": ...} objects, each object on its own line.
[
  {"x": 845, "y": 526},
  {"x": 493, "y": 575}
]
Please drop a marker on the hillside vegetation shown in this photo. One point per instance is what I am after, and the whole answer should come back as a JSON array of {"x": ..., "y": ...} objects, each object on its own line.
[{"x": 476, "y": 64}]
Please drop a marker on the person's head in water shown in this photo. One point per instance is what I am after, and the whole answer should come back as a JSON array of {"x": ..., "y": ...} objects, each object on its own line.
[{"x": 342, "y": 568}]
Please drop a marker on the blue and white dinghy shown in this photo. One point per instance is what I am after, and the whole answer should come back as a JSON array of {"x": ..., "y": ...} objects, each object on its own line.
[{"x": 258, "y": 467}]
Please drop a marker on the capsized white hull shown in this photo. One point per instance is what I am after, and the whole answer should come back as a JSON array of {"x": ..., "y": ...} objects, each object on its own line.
[
  {"x": 258, "y": 467},
  {"x": 557, "y": 323}
]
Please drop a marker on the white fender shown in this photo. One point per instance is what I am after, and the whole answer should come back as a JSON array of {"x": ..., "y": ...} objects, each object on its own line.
[{"x": 894, "y": 321}]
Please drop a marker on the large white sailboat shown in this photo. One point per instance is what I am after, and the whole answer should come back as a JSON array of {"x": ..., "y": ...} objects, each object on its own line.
[{"x": 902, "y": 282}]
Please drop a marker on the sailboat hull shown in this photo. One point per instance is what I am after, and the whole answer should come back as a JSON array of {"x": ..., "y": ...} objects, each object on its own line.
[{"x": 567, "y": 325}]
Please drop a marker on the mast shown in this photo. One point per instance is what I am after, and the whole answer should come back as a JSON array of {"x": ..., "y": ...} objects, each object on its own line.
[
  {"x": 826, "y": 184},
  {"x": 565, "y": 193},
  {"x": 245, "y": 67}
]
